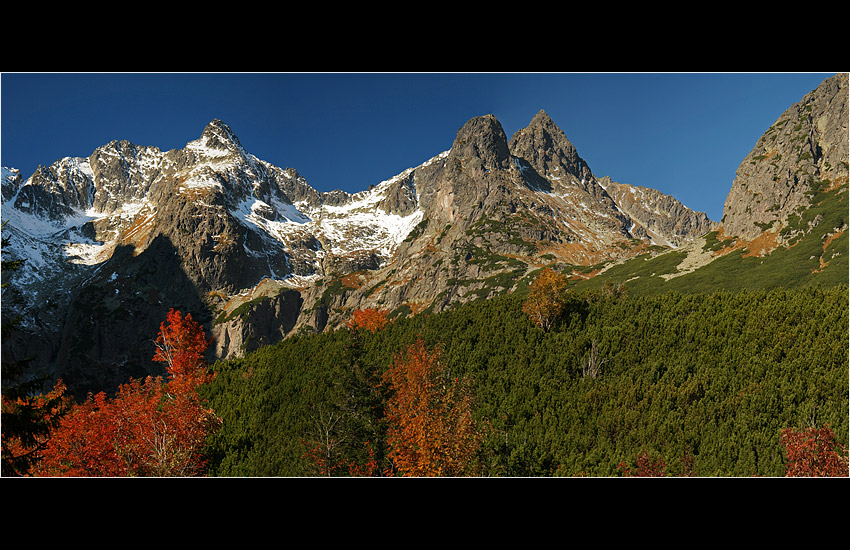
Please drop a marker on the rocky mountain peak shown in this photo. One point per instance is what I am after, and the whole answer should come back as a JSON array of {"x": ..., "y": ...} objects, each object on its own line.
[
  {"x": 481, "y": 146},
  {"x": 216, "y": 141},
  {"x": 55, "y": 192},
  {"x": 11, "y": 182},
  {"x": 122, "y": 173},
  {"x": 210, "y": 228},
  {"x": 218, "y": 135},
  {"x": 546, "y": 148}
]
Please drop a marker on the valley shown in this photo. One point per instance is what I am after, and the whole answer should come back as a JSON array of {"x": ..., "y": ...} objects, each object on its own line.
[{"x": 705, "y": 338}]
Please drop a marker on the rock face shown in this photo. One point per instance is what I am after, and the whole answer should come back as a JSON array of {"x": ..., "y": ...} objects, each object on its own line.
[
  {"x": 493, "y": 211},
  {"x": 546, "y": 149},
  {"x": 114, "y": 240},
  {"x": 270, "y": 320},
  {"x": 806, "y": 148},
  {"x": 659, "y": 217}
]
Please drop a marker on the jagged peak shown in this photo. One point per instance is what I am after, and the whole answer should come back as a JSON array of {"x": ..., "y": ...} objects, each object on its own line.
[
  {"x": 480, "y": 125},
  {"x": 218, "y": 135},
  {"x": 542, "y": 124},
  {"x": 541, "y": 118},
  {"x": 545, "y": 146},
  {"x": 482, "y": 137}
]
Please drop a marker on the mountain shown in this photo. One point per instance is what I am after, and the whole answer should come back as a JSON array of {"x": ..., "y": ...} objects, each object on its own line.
[
  {"x": 114, "y": 240},
  {"x": 803, "y": 151},
  {"x": 493, "y": 211},
  {"x": 784, "y": 220}
]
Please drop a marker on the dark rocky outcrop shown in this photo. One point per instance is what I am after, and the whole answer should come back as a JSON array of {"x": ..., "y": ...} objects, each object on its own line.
[
  {"x": 258, "y": 323},
  {"x": 113, "y": 319}
]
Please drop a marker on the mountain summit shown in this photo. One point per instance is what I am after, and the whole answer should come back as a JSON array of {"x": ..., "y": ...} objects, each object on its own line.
[
  {"x": 545, "y": 147},
  {"x": 114, "y": 240},
  {"x": 218, "y": 136}
]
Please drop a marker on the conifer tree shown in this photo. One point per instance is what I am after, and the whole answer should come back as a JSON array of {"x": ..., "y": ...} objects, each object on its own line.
[{"x": 346, "y": 435}]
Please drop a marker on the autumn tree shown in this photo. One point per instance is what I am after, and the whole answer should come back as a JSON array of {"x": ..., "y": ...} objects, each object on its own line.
[
  {"x": 328, "y": 449},
  {"x": 27, "y": 421},
  {"x": 181, "y": 345},
  {"x": 430, "y": 431},
  {"x": 813, "y": 452},
  {"x": 546, "y": 298},
  {"x": 153, "y": 427},
  {"x": 321, "y": 447},
  {"x": 646, "y": 466},
  {"x": 368, "y": 319}
]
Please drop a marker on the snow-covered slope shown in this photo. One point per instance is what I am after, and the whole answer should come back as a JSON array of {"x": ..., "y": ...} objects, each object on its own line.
[
  {"x": 67, "y": 219},
  {"x": 362, "y": 223}
]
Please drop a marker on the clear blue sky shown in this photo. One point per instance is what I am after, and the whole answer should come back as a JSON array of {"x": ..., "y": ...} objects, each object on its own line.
[{"x": 683, "y": 134}]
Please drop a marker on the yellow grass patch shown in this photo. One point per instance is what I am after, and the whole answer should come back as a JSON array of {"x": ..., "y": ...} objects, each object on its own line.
[
  {"x": 762, "y": 245},
  {"x": 417, "y": 307},
  {"x": 353, "y": 280},
  {"x": 137, "y": 233},
  {"x": 737, "y": 244}
]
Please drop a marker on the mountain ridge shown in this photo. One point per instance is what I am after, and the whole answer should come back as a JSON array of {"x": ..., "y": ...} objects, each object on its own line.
[
  {"x": 244, "y": 240},
  {"x": 107, "y": 182}
]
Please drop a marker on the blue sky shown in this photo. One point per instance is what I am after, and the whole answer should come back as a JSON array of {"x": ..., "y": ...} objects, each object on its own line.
[{"x": 681, "y": 133}]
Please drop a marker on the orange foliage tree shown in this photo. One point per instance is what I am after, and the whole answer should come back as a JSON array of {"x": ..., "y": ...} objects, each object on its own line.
[
  {"x": 546, "y": 298},
  {"x": 26, "y": 414},
  {"x": 181, "y": 345},
  {"x": 813, "y": 452},
  {"x": 151, "y": 427},
  {"x": 327, "y": 461},
  {"x": 27, "y": 423},
  {"x": 430, "y": 430},
  {"x": 368, "y": 319}
]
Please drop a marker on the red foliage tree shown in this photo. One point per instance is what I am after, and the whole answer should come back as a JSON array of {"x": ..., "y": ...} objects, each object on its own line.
[
  {"x": 646, "y": 467},
  {"x": 431, "y": 431},
  {"x": 151, "y": 427},
  {"x": 368, "y": 319},
  {"x": 181, "y": 345},
  {"x": 326, "y": 462},
  {"x": 813, "y": 452}
]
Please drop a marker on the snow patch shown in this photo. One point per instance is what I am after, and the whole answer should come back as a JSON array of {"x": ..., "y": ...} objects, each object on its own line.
[{"x": 276, "y": 219}]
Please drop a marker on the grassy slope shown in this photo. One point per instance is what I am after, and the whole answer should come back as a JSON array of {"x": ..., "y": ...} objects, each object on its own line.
[{"x": 795, "y": 266}]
